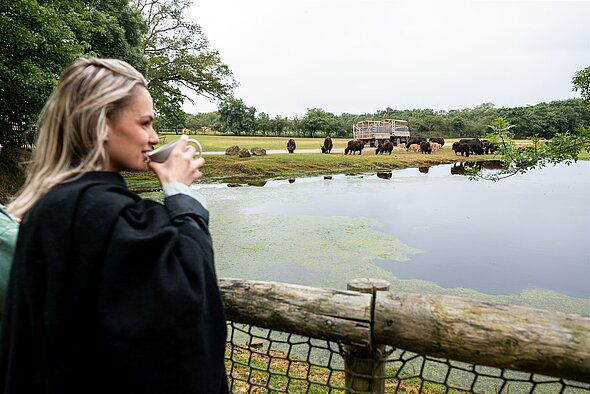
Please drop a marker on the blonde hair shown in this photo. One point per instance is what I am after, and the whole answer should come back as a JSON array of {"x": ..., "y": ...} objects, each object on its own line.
[{"x": 72, "y": 125}]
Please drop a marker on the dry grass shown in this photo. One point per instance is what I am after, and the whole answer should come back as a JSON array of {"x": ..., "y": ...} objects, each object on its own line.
[{"x": 256, "y": 370}]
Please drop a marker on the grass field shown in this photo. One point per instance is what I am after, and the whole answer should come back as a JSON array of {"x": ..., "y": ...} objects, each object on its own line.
[
  {"x": 233, "y": 169},
  {"x": 219, "y": 143}
]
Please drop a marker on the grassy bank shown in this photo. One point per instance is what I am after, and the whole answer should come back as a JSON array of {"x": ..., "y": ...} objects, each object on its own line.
[{"x": 233, "y": 169}]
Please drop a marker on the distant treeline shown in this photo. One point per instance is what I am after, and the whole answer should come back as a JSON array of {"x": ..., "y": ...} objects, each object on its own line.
[{"x": 543, "y": 120}]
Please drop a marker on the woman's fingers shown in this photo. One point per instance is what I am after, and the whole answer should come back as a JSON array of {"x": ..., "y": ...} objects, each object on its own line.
[{"x": 181, "y": 166}]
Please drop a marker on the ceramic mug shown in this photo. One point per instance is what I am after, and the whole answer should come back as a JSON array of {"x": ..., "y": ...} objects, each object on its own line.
[{"x": 160, "y": 154}]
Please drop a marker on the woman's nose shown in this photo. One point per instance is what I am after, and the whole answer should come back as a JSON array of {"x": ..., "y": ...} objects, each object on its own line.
[{"x": 153, "y": 137}]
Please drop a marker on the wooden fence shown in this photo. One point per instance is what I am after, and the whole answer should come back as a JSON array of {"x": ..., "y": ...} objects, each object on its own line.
[{"x": 366, "y": 319}]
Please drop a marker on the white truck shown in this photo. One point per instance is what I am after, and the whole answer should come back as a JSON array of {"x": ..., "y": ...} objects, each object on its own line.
[{"x": 397, "y": 131}]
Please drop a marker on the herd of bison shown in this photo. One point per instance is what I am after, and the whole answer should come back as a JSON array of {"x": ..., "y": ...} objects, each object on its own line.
[{"x": 465, "y": 147}]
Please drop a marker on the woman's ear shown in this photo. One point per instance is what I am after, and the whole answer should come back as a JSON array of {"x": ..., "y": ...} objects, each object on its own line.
[{"x": 109, "y": 129}]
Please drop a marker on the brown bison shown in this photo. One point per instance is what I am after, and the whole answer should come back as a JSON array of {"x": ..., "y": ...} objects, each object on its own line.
[
  {"x": 355, "y": 146},
  {"x": 414, "y": 140},
  {"x": 384, "y": 146},
  {"x": 291, "y": 145},
  {"x": 438, "y": 140},
  {"x": 475, "y": 145},
  {"x": 327, "y": 146},
  {"x": 425, "y": 147},
  {"x": 489, "y": 147},
  {"x": 461, "y": 147}
]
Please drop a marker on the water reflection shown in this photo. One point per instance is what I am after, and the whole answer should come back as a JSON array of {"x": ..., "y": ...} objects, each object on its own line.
[
  {"x": 384, "y": 175},
  {"x": 459, "y": 168},
  {"x": 250, "y": 182},
  {"x": 493, "y": 237},
  {"x": 257, "y": 182},
  {"x": 491, "y": 164},
  {"x": 423, "y": 170}
]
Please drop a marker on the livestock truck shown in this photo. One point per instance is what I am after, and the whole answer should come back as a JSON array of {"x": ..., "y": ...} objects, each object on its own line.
[{"x": 397, "y": 131}]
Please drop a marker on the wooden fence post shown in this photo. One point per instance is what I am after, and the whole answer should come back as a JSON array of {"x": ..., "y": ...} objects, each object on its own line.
[{"x": 365, "y": 366}]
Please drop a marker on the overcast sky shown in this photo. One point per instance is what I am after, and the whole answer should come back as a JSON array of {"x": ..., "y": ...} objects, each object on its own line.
[{"x": 360, "y": 56}]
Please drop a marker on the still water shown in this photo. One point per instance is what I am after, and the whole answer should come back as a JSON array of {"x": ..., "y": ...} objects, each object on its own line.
[{"x": 520, "y": 239}]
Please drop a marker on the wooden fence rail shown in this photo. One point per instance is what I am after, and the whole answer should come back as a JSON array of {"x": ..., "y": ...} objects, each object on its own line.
[{"x": 481, "y": 333}]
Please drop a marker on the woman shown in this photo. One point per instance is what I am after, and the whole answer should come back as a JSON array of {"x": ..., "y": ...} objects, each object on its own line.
[{"x": 109, "y": 292}]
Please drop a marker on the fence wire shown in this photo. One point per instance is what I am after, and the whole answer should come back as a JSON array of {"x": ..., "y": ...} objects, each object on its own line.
[{"x": 260, "y": 360}]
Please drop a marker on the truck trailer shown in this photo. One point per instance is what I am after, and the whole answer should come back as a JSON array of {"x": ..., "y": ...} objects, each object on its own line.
[{"x": 371, "y": 131}]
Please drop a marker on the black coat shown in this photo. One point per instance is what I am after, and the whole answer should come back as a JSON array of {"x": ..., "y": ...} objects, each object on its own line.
[{"x": 113, "y": 293}]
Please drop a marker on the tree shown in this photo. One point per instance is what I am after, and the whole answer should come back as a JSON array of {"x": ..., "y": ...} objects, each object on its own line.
[
  {"x": 204, "y": 119},
  {"x": 279, "y": 125},
  {"x": 40, "y": 38},
  {"x": 316, "y": 120},
  {"x": 180, "y": 59},
  {"x": 581, "y": 82},
  {"x": 563, "y": 147},
  {"x": 236, "y": 117},
  {"x": 263, "y": 123},
  {"x": 113, "y": 29},
  {"x": 458, "y": 124},
  {"x": 32, "y": 55}
]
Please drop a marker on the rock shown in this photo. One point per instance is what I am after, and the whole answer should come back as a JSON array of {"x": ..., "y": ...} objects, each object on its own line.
[
  {"x": 257, "y": 151},
  {"x": 232, "y": 150},
  {"x": 244, "y": 153}
]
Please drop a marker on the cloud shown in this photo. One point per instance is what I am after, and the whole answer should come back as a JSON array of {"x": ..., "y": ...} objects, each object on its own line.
[{"x": 359, "y": 56}]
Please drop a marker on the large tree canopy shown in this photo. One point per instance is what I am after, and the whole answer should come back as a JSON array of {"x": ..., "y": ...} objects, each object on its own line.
[
  {"x": 41, "y": 37},
  {"x": 36, "y": 44},
  {"x": 180, "y": 59}
]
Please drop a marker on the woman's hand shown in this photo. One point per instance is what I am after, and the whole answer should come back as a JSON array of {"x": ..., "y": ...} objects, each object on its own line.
[{"x": 181, "y": 166}]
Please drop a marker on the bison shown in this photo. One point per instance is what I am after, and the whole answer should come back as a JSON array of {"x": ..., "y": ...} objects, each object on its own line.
[
  {"x": 489, "y": 147},
  {"x": 355, "y": 146},
  {"x": 438, "y": 140},
  {"x": 414, "y": 148},
  {"x": 414, "y": 140},
  {"x": 291, "y": 145},
  {"x": 384, "y": 146},
  {"x": 425, "y": 147},
  {"x": 475, "y": 145},
  {"x": 434, "y": 146},
  {"x": 327, "y": 146},
  {"x": 461, "y": 147}
]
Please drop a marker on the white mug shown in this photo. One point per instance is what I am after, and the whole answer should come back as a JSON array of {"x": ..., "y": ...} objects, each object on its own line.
[{"x": 161, "y": 154}]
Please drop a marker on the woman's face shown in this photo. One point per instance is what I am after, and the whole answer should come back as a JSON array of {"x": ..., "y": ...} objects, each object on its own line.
[{"x": 130, "y": 133}]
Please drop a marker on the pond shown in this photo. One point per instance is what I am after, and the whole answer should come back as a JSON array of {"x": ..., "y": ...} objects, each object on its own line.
[{"x": 523, "y": 240}]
